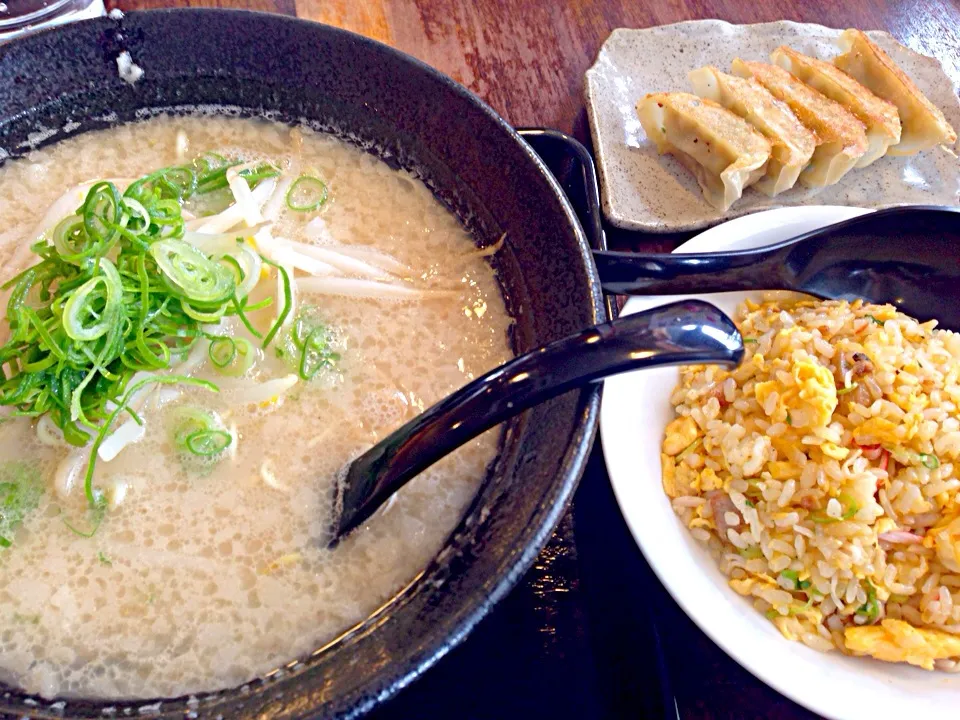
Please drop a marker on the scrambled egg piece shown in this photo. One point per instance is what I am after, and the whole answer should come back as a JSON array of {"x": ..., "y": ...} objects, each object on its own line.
[
  {"x": 835, "y": 451},
  {"x": 945, "y": 536},
  {"x": 782, "y": 469},
  {"x": 813, "y": 393},
  {"x": 709, "y": 480},
  {"x": 885, "y": 312},
  {"x": 702, "y": 522},
  {"x": 898, "y": 641},
  {"x": 787, "y": 624},
  {"x": 680, "y": 434},
  {"x": 884, "y": 524},
  {"x": 668, "y": 471},
  {"x": 743, "y": 586},
  {"x": 876, "y": 429}
]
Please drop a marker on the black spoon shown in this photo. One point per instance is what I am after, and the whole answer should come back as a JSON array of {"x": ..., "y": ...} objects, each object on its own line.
[
  {"x": 689, "y": 332},
  {"x": 908, "y": 256}
]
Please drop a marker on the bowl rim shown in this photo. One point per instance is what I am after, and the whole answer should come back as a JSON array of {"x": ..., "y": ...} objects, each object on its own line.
[{"x": 555, "y": 501}]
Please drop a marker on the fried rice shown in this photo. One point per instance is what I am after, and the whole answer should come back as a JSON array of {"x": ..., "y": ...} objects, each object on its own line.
[{"x": 822, "y": 475}]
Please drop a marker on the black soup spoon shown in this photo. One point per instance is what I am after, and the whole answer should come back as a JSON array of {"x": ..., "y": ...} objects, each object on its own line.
[
  {"x": 908, "y": 256},
  {"x": 682, "y": 333}
]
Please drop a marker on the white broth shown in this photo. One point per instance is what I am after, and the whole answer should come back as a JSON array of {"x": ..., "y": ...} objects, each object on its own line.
[{"x": 200, "y": 576}]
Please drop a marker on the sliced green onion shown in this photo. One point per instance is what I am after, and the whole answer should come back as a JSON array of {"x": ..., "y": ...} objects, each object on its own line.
[
  {"x": 871, "y": 317},
  {"x": 821, "y": 517},
  {"x": 101, "y": 212},
  {"x": 261, "y": 172},
  {"x": 212, "y": 172},
  {"x": 259, "y": 305},
  {"x": 308, "y": 193},
  {"x": 240, "y": 311},
  {"x": 189, "y": 419},
  {"x": 199, "y": 433},
  {"x": 98, "y": 300},
  {"x": 314, "y": 355},
  {"x": 208, "y": 442},
  {"x": 791, "y": 575},
  {"x": 287, "y": 301},
  {"x": 136, "y": 216},
  {"x": 689, "y": 448},
  {"x": 241, "y": 359},
  {"x": 751, "y": 552},
  {"x": 931, "y": 462},
  {"x": 852, "y": 507},
  {"x": 70, "y": 240},
  {"x": 97, "y": 512},
  {"x": 908, "y": 457},
  {"x": 848, "y": 389},
  {"x": 191, "y": 273},
  {"x": 307, "y": 346},
  {"x": 871, "y": 608},
  {"x": 20, "y": 488},
  {"x": 89, "y": 490},
  {"x": 113, "y": 292},
  {"x": 773, "y": 614},
  {"x": 222, "y": 351},
  {"x": 182, "y": 180}
]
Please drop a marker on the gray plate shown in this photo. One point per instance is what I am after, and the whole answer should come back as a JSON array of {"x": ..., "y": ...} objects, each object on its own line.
[{"x": 642, "y": 191}]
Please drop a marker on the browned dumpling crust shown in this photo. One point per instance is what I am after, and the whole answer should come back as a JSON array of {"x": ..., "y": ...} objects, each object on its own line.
[
  {"x": 843, "y": 138},
  {"x": 923, "y": 124},
  {"x": 879, "y": 116},
  {"x": 724, "y": 152},
  {"x": 792, "y": 144}
]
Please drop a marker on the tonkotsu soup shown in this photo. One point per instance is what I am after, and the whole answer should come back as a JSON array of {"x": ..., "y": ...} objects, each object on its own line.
[{"x": 268, "y": 303}]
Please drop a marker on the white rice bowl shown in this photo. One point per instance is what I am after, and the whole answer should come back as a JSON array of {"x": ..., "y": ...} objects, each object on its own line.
[{"x": 636, "y": 410}]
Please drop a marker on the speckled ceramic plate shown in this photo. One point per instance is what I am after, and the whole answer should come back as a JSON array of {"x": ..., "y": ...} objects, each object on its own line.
[{"x": 642, "y": 191}]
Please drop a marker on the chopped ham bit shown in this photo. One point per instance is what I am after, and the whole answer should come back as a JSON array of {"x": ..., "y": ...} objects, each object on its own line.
[
  {"x": 861, "y": 364},
  {"x": 717, "y": 392},
  {"x": 900, "y": 537},
  {"x": 723, "y": 508},
  {"x": 871, "y": 452}
]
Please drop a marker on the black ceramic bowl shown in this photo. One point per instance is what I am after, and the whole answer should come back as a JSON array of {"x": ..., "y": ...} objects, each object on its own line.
[{"x": 415, "y": 118}]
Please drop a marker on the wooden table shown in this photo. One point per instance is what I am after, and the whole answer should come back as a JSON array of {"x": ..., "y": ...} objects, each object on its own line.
[{"x": 527, "y": 59}]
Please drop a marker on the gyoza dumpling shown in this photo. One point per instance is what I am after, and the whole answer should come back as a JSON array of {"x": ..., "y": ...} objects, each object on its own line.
[
  {"x": 792, "y": 144},
  {"x": 723, "y": 151},
  {"x": 923, "y": 125},
  {"x": 843, "y": 138},
  {"x": 879, "y": 116}
]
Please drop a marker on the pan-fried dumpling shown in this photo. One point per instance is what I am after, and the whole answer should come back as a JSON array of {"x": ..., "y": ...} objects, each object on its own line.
[
  {"x": 924, "y": 126},
  {"x": 723, "y": 151},
  {"x": 879, "y": 116},
  {"x": 843, "y": 138},
  {"x": 792, "y": 144}
]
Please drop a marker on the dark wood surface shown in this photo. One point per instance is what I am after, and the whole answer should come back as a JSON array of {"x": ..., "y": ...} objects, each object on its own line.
[
  {"x": 574, "y": 639},
  {"x": 527, "y": 57}
]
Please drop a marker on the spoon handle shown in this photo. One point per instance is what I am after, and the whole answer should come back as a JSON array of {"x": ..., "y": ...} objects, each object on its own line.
[
  {"x": 689, "y": 332},
  {"x": 627, "y": 273}
]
